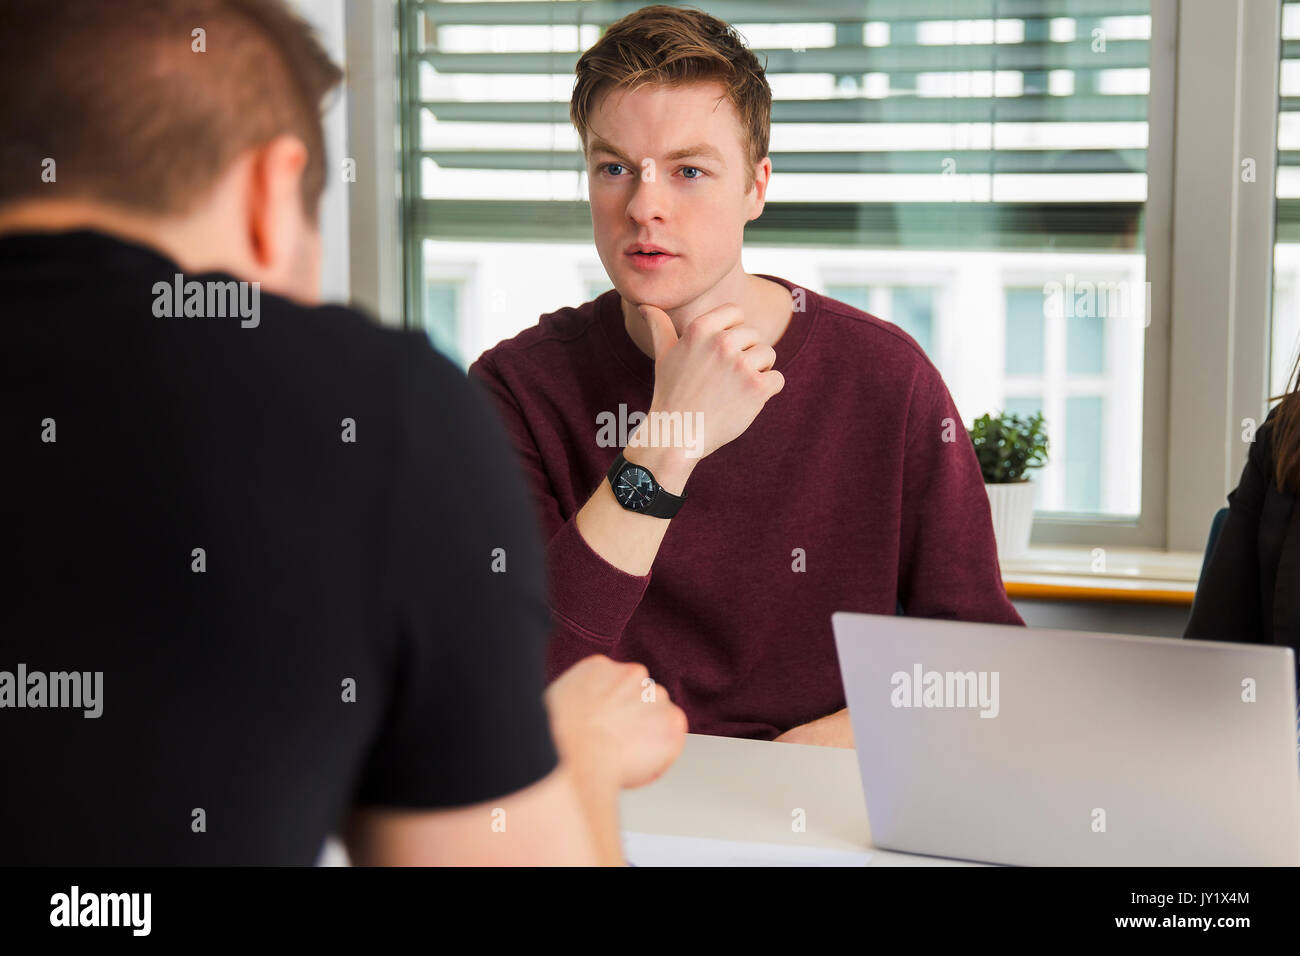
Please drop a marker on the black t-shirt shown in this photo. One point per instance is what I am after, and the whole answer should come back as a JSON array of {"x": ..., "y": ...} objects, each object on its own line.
[{"x": 293, "y": 544}]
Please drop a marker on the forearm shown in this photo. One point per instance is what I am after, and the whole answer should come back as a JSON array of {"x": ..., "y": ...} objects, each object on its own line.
[
  {"x": 833, "y": 730},
  {"x": 627, "y": 540},
  {"x": 598, "y": 795}
]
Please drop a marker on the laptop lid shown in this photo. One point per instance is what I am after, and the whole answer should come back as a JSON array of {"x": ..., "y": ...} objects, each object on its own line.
[{"x": 1052, "y": 747}]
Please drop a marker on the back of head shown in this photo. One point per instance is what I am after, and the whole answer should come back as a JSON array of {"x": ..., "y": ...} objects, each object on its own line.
[
  {"x": 148, "y": 426},
  {"x": 142, "y": 105}
]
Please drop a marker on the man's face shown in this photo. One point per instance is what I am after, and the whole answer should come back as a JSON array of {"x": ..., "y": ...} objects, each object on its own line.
[{"x": 669, "y": 167}]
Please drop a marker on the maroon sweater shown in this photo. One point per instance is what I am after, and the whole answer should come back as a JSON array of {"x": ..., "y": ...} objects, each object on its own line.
[{"x": 848, "y": 464}]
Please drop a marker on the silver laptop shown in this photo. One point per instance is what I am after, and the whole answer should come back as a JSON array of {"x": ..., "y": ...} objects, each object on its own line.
[{"x": 1051, "y": 747}]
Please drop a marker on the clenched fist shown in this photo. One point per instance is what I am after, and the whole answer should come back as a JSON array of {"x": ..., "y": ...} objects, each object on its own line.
[{"x": 611, "y": 719}]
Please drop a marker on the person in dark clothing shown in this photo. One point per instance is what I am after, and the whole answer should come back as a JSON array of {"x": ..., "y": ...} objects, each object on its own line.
[
  {"x": 1250, "y": 589},
  {"x": 271, "y": 573}
]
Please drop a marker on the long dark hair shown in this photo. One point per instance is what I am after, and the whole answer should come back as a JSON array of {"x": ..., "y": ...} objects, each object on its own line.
[{"x": 1286, "y": 434}]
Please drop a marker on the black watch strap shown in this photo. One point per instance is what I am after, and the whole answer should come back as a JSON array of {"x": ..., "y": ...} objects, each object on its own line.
[{"x": 662, "y": 504}]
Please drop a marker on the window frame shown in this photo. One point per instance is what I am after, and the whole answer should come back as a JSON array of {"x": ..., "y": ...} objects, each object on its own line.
[
  {"x": 1214, "y": 83},
  {"x": 1221, "y": 255}
]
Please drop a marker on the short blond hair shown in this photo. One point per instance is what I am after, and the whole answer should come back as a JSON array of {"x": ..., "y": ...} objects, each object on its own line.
[{"x": 673, "y": 46}]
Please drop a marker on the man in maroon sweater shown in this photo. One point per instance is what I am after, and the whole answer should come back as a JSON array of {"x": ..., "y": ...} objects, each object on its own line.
[{"x": 823, "y": 463}]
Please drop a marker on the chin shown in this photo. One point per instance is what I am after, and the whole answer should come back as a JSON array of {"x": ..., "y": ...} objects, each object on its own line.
[{"x": 658, "y": 284}]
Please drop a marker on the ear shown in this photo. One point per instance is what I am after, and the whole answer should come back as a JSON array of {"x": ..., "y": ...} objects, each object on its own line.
[
  {"x": 275, "y": 201},
  {"x": 762, "y": 179}
]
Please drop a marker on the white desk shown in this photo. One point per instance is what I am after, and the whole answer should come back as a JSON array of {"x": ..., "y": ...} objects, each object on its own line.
[{"x": 726, "y": 788}]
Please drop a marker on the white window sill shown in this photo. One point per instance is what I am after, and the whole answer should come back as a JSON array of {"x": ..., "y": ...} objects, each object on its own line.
[{"x": 1127, "y": 575}]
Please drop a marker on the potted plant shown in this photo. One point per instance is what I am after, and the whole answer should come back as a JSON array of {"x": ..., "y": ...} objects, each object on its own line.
[{"x": 1007, "y": 446}]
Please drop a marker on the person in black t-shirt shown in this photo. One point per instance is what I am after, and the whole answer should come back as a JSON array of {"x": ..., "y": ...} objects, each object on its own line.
[{"x": 272, "y": 574}]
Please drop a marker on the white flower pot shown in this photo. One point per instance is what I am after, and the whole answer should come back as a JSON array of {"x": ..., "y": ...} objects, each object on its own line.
[{"x": 1012, "y": 507}]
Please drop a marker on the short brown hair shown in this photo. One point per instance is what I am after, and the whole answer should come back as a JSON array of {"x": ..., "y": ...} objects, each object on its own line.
[
  {"x": 673, "y": 46},
  {"x": 133, "y": 115}
]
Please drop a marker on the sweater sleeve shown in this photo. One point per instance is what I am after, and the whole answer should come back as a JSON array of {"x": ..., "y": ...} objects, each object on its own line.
[
  {"x": 591, "y": 600},
  {"x": 1227, "y": 604},
  {"x": 948, "y": 562}
]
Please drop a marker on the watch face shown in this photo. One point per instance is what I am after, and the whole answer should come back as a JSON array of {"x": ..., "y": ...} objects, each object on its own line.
[{"x": 634, "y": 488}]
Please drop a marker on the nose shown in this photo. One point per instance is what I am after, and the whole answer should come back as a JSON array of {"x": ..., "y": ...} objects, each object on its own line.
[{"x": 649, "y": 201}]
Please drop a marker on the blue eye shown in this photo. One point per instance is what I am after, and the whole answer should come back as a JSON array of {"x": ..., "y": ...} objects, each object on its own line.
[
  {"x": 696, "y": 168},
  {"x": 611, "y": 166}
]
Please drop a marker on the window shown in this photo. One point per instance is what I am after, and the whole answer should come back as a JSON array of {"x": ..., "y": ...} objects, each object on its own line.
[
  {"x": 597, "y": 289},
  {"x": 440, "y": 315},
  {"x": 1025, "y": 326},
  {"x": 1058, "y": 361},
  {"x": 913, "y": 310},
  {"x": 1285, "y": 344},
  {"x": 980, "y": 181}
]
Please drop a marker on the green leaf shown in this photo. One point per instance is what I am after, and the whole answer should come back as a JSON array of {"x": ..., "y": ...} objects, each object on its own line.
[{"x": 1007, "y": 446}]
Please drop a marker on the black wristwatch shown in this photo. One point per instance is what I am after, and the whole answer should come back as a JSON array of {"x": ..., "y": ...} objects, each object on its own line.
[{"x": 636, "y": 490}]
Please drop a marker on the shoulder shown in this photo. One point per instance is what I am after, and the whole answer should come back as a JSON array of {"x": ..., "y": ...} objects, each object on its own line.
[
  {"x": 302, "y": 360},
  {"x": 895, "y": 358},
  {"x": 324, "y": 333},
  {"x": 256, "y": 319},
  {"x": 556, "y": 335},
  {"x": 345, "y": 347},
  {"x": 1261, "y": 448}
]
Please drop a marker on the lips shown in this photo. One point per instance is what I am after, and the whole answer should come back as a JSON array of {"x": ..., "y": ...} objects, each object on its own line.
[
  {"x": 650, "y": 261},
  {"x": 648, "y": 256}
]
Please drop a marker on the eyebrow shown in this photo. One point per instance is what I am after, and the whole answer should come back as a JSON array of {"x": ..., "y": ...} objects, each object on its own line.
[
  {"x": 699, "y": 149},
  {"x": 598, "y": 145}
]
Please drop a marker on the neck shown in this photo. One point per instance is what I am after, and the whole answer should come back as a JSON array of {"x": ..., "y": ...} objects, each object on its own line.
[
  {"x": 69, "y": 215},
  {"x": 766, "y": 305},
  {"x": 190, "y": 241}
]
